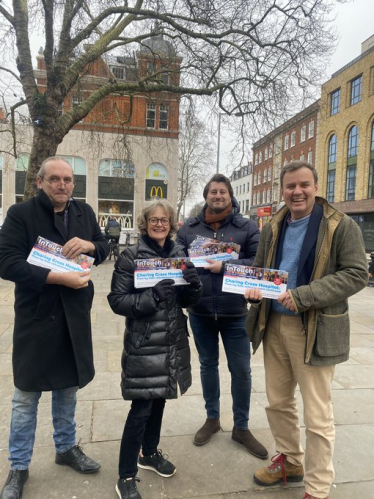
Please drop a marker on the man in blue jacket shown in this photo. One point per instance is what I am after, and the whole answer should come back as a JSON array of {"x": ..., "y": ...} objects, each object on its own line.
[{"x": 222, "y": 313}]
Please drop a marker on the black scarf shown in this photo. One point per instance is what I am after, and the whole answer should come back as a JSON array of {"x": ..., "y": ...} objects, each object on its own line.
[{"x": 162, "y": 251}]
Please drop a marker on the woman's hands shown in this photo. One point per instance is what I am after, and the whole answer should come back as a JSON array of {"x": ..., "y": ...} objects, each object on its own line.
[
  {"x": 191, "y": 276},
  {"x": 163, "y": 290}
]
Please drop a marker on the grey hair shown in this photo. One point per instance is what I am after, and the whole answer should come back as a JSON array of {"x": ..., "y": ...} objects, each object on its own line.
[
  {"x": 150, "y": 207},
  {"x": 41, "y": 171},
  {"x": 296, "y": 165}
]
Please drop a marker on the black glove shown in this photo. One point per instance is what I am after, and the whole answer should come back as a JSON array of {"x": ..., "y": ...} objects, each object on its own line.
[
  {"x": 163, "y": 290},
  {"x": 191, "y": 276}
]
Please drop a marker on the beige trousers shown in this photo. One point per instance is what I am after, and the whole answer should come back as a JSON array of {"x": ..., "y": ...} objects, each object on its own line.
[{"x": 284, "y": 349}]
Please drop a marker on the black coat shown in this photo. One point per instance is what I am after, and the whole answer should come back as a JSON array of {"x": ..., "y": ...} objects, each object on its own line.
[
  {"x": 52, "y": 344},
  {"x": 156, "y": 353},
  {"x": 237, "y": 229}
]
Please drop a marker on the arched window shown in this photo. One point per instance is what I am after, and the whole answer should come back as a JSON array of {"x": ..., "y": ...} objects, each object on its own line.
[
  {"x": 371, "y": 167},
  {"x": 350, "y": 182},
  {"x": 116, "y": 192},
  {"x": 156, "y": 181},
  {"x": 331, "y": 169}
]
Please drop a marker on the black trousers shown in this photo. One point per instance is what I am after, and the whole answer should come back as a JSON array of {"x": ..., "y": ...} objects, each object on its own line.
[{"x": 142, "y": 431}]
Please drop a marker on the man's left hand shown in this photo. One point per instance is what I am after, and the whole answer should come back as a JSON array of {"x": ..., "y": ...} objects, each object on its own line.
[
  {"x": 285, "y": 300},
  {"x": 214, "y": 266},
  {"x": 76, "y": 246}
]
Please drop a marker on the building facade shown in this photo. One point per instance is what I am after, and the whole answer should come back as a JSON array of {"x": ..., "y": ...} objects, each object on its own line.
[
  {"x": 294, "y": 140},
  {"x": 345, "y": 160},
  {"x": 125, "y": 151},
  {"x": 241, "y": 182}
]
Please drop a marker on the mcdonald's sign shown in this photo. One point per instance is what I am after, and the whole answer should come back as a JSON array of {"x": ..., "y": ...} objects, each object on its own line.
[
  {"x": 155, "y": 189},
  {"x": 156, "y": 192}
]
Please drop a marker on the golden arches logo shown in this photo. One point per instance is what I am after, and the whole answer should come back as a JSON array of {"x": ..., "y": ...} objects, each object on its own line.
[{"x": 156, "y": 192}]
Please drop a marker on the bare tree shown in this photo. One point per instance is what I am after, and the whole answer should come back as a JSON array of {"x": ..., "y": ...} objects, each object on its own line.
[
  {"x": 195, "y": 155},
  {"x": 257, "y": 58},
  {"x": 195, "y": 210}
]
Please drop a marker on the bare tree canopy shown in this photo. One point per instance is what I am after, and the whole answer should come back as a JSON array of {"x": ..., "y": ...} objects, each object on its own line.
[
  {"x": 196, "y": 161},
  {"x": 256, "y": 57}
]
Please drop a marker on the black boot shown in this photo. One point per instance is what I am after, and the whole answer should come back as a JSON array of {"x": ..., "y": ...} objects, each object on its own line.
[{"x": 13, "y": 487}]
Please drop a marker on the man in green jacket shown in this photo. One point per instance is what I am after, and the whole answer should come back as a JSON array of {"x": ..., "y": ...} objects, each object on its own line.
[{"x": 305, "y": 332}]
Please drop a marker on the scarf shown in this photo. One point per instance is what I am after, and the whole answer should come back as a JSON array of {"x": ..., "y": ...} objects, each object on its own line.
[{"x": 215, "y": 219}]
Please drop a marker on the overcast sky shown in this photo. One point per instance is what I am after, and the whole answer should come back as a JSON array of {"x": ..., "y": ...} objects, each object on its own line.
[{"x": 354, "y": 24}]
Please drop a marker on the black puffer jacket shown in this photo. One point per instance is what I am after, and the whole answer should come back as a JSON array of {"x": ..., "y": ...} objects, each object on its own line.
[
  {"x": 156, "y": 353},
  {"x": 237, "y": 229}
]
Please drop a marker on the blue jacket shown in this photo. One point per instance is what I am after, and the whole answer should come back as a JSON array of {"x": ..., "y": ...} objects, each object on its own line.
[{"x": 237, "y": 229}]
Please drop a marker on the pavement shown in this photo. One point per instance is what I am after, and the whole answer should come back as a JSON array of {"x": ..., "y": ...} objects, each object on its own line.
[{"x": 221, "y": 469}]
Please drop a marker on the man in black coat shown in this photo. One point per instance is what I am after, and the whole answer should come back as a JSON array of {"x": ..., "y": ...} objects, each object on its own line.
[
  {"x": 52, "y": 344},
  {"x": 223, "y": 313}
]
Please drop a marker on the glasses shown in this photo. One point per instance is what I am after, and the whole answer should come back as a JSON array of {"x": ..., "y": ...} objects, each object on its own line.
[
  {"x": 56, "y": 181},
  {"x": 154, "y": 221}
]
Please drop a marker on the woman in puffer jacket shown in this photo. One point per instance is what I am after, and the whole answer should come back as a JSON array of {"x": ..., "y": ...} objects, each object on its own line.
[{"x": 156, "y": 355}]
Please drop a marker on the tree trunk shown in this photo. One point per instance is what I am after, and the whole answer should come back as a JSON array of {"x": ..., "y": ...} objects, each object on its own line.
[{"x": 45, "y": 143}]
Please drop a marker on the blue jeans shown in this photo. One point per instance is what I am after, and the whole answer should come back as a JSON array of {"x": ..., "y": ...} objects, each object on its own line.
[
  {"x": 237, "y": 347},
  {"x": 23, "y": 424}
]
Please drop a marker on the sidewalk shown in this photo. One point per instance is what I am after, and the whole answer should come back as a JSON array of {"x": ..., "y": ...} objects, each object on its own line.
[{"x": 222, "y": 469}]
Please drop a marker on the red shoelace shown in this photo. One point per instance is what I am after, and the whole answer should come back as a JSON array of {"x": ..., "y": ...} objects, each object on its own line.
[{"x": 276, "y": 460}]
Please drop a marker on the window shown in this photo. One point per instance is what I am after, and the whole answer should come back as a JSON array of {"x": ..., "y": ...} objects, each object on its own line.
[
  {"x": 350, "y": 186},
  {"x": 330, "y": 189},
  {"x": 371, "y": 167},
  {"x": 332, "y": 150},
  {"x": 118, "y": 72},
  {"x": 76, "y": 100},
  {"x": 247, "y": 186},
  {"x": 353, "y": 142},
  {"x": 303, "y": 133},
  {"x": 164, "y": 113},
  {"x": 165, "y": 75},
  {"x": 350, "y": 183},
  {"x": 256, "y": 158},
  {"x": 311, "y": 130},
  {"x": 266, "y": 154},
  {"x": 247, "y": 205},
  {"x": 151, "y": 68},
  {"x": 116, "y": 168},
  {"x": 22, "y": 162},
  {"x": 151, "y": 115},
  {"x": 259, "y": 177},
  {"x": 310, "y": 157},
  {"x": 302, "y": 157},
  {"x": 260, "y": 157},
  {"x": 286, "y": 141},
  {"x": 356, "y": 88},
  {"x": 275, "y": 193},
  {"x": 271, "y": 151},
  {"x": 293, "y": 139},
  {"x": 236, "y": 190},
  {"x": 255, "y": 179},
  {"x": 240, "y": 189},
  {"x": 276, "y": 170},
  {"x": 335, "y": 102},
  {"x": 269, "y": 173},
  {"x": 265, "y": 175}
]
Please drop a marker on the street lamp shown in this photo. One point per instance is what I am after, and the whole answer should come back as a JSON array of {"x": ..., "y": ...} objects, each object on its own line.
[{"x": 219, "y": 139}]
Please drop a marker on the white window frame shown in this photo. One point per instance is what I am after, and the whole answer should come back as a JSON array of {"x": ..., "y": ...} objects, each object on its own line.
[{"x": 311, "y": 130}]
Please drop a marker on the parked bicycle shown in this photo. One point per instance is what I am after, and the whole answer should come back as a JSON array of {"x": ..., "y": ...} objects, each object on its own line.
[{"x": 113, "y": 249}]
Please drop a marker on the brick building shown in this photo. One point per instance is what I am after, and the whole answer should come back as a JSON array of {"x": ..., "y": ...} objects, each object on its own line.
[
  {"x": 125, "y": 151},
  {"x": 294, "y": 140},
  {"x": 346, "y": 141}
]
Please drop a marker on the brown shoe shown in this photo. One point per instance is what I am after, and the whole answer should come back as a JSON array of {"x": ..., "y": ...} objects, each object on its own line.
[
  {"x": 279, "y": 471},
  {"x": 252, "y": 445},
  {"x": 206, "y": 431}
]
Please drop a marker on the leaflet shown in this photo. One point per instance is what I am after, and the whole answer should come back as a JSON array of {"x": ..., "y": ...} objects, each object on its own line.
[
  {"x": 48, "y": 255},
  {"x": 149, "y": 272},
  {"x": 239, "y": 278},
  {"x": 202, "y": 248}
]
